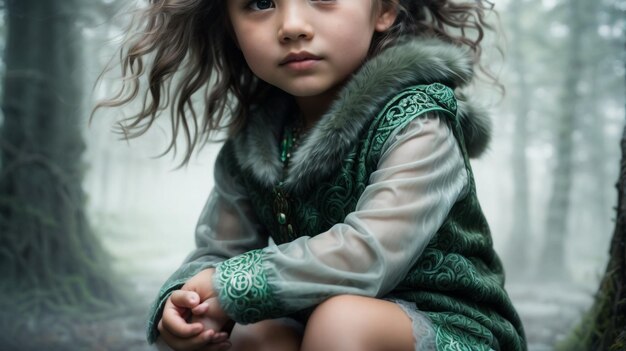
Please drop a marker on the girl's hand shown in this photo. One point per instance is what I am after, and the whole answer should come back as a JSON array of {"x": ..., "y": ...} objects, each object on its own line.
[
  {"x": 177, "y": 325},
  {"x": 202, "y": 284},
  {"x": 175, "y": 329},
  {"x": 211, "y": 315}
]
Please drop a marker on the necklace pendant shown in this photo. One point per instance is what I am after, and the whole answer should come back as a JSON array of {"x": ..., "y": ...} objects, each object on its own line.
[{"x": 283, "y": 152}]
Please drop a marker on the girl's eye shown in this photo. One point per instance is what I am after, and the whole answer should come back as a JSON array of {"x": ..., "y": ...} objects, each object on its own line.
[{"x": 260, "y": 5}]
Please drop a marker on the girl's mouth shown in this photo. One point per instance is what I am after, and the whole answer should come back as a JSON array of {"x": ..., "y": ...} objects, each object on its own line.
[{"x": 300, "y": 60}]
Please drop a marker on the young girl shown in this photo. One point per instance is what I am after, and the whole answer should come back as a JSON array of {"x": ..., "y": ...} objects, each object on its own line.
[{"x": 344, "y": 214}]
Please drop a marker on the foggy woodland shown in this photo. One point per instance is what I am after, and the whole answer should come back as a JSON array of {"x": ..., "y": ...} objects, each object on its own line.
[{"x": 91, "y": 225}]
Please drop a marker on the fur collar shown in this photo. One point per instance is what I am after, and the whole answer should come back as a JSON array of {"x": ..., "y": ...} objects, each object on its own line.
[{"x": 418, "y": 61}]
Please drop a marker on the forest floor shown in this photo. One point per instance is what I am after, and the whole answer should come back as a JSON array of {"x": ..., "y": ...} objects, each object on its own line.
[{"x": 549, "y": 311}]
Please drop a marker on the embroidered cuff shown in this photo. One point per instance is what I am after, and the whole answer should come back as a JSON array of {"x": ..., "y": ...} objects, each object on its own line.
[{"x": 244, "y": 293}]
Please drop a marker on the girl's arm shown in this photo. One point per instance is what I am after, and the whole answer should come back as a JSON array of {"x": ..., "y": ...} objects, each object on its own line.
[
  {"x": 226, "y": 228},
  {"x": 419, "y": 177}
]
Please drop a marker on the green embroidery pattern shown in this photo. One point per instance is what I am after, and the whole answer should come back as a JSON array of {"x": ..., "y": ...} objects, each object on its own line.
[
  {"x": 443, "y": 95},
  {"x": 243, "y": 288},
  {"x": 401, "y": 110},
  {"x": 448, "y": 340}
]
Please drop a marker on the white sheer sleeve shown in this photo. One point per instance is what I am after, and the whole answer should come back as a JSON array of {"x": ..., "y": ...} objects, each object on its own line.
[
  {"x": 226, "y": 228},
  {"x": 420, "y": 176}
]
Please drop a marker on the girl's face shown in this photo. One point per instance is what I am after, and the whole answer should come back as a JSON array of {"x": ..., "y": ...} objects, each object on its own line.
[{"x": 306, "y": 47}]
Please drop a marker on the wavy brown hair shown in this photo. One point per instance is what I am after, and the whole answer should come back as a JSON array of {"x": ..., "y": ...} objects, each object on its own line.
[{"x": 186, "y": 47}]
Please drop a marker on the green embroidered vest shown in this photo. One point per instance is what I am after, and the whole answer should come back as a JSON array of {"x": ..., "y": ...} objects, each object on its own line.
[{"x": 458, "y": 280}]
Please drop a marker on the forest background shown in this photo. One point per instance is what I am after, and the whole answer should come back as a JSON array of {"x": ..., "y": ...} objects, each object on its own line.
[{"x": 90, "y": 226}]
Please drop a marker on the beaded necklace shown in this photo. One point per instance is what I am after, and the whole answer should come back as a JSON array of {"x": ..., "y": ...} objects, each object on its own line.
[
  {"x": 281, "y": 204},
  {"x": 290, "y": 142}
]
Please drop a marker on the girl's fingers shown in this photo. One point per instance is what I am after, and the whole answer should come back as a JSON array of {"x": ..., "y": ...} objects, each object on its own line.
[
  {"x": 201, "y": 308},
  {"x": 217, "y": 341},
  {"x": 179, "y": 327},
  {"x": 218, "y": 338},
  {"x": 207, "y": 305},
  {"x": 183, "y": 327},
  {"x": 185, "y": 299},
  {"x": 202, "y": 341},
  {"x": 174, "y": 322}
]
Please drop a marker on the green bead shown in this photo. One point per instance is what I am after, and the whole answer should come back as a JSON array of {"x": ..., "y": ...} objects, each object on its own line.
[{"x": 282, "y": 218}]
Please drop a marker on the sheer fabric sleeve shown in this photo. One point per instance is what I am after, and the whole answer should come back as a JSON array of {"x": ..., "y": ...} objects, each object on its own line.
[
  {"x": 420, "y": 176},
  {"x": 226, "y": 228}
]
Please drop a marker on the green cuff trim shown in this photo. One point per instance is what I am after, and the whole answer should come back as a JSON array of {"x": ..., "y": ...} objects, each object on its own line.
[{"x": 244, "y": 293}]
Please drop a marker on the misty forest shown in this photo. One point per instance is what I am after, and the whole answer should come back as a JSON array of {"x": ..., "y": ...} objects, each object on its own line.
[{"x": 92, "y": 224}]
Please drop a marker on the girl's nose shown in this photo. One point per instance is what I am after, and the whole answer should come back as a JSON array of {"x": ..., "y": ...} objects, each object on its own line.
[{"x": 294, "y": 25}]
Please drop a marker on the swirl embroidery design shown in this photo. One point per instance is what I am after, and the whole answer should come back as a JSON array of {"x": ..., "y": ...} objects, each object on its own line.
[{"x": 243, "y": 288}]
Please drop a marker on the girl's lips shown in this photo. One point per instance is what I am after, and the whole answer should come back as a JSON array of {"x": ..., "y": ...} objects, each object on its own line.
[
  {"x": 300, "y": 60},
  {"x": 301, "y": 65}
]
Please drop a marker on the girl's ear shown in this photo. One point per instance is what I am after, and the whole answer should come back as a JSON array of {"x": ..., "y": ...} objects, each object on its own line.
[{"x": 387, "y": 16}]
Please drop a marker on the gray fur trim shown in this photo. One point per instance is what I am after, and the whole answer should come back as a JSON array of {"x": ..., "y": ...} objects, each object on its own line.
[
  {"x": 476, "y": 125},
  {"x": 418, "y": 61},
  {"x": 256, "y": 149}
]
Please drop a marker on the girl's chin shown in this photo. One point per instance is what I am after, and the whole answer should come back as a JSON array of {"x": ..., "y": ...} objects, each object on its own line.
[{"x": 309, "y": 92}]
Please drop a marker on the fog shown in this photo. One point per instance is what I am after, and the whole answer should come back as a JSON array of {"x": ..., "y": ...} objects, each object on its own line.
[{"x": 144, "y": 209}]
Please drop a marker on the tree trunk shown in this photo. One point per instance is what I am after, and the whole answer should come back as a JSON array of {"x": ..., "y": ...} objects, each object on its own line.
[
  {"x": 53, "y": 269},
  {"x": 517, "y": 254},
  {"x": 597, "y": 196},
  {"x": 553, "y": 258},
  {"x": 604, "y": 326},
  {"x": 596, "y": 213}
]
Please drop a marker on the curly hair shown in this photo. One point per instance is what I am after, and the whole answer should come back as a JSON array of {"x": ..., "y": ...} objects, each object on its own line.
[{"x": 183, "y": 47}]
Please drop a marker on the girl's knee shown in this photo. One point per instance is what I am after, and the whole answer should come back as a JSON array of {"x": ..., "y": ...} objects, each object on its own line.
[
  {"x": 337, "y": 307},
  {"x": 349, "y": 322},
  {"x": 334, "y": 326}
]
